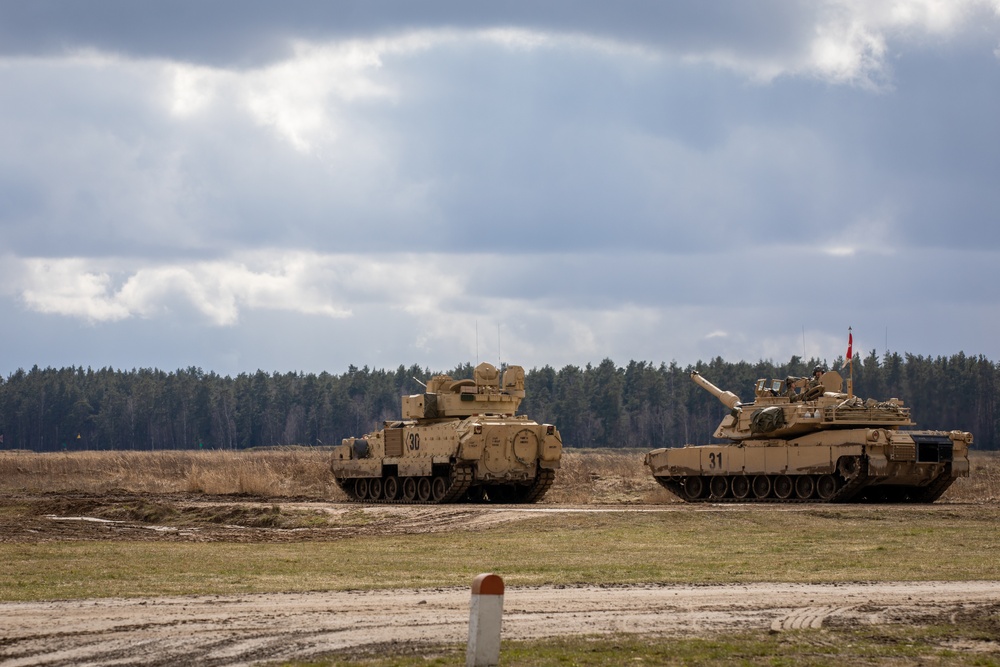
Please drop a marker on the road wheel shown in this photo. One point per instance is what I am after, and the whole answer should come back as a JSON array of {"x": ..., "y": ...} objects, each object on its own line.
[
  {"x": 761, "y": 486},
  {"x": 826, "y": 486},
  {"x": 804, "y": 486},
  {"x": 439, "y": 486},
  {"x": 409, "y": 489},
  {"x": 424, "y": 489},
  {"x": 361, "y": 488},
  {"x": 390, "y": 487},
  {"x": 694, "y": 487},
  {"x": 740, "y": 486},
  {"x": 719, "y": 486},
  {"x": 783, "y": 487},
  {"x": 375, "y": 489}
]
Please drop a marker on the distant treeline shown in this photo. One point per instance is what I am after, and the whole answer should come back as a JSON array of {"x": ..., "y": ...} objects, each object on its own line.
[{"x": 640, "y": 405}]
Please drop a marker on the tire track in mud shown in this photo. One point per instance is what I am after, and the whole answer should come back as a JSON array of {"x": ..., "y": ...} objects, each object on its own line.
[
  {"x": 807, "y": 617},
  {"x": 243, "y": 630}
]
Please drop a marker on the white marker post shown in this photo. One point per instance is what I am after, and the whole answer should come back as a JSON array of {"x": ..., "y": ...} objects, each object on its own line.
[{"x": 485, "y": 614}]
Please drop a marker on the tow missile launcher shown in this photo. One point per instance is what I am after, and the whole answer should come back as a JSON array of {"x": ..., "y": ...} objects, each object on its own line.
[
  {"x": 459, "y": 441},
  {"x": 803, "y": 440}
]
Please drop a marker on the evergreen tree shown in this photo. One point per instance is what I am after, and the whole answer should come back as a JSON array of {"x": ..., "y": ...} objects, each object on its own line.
[{"x": 639, "y": 405}]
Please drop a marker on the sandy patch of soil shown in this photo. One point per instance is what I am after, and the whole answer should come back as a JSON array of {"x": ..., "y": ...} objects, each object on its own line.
[{"x": 243, "y": 630}]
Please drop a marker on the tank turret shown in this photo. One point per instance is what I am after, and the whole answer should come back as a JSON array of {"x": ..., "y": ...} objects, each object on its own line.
[
  {"x": 459, "y": 440},
  {"x": 483, "y": 394},
  {"x": 804, "y": 439},
  {"x": 796, "y": 406}
]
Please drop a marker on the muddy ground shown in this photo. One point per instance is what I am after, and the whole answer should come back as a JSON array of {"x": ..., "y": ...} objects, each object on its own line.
[
  {"x": 203, "y": 518},
  {"x": 247, "y": 629}
]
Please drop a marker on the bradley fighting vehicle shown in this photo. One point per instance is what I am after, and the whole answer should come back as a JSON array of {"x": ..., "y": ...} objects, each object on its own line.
[
  {"x": 806, "y": 441},
  {"x": 458, "y": 441}
]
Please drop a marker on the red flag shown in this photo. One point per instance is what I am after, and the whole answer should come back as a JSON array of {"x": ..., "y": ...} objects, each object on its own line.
[{"x": 850, "y": 348}]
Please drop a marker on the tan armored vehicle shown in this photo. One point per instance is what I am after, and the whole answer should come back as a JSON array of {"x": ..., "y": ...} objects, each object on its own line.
[
  {"x": 803, "y": 440},
  {"x": 458, "y": 441}
]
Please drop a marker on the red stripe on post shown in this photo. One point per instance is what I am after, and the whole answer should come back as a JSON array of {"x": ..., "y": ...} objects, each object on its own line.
[{"x": 487, "y": 584}]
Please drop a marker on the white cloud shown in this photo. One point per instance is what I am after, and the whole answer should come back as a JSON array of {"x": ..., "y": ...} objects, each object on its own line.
[
  {"x": 932, "y": 16},
  {"x": 847, "y": 52},
  {"x": 192, "y": 88},
  {"x": 218, "y": 290},
  {"x": 850, "y": 40},
  {"x": 67, "y": 287},
  {"x": 299, "y": 98},
  {"x": 388, "y": 309},
  {"x": 302, "y": 97}
]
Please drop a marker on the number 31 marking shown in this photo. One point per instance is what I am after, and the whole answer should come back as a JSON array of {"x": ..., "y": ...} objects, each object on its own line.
[{"x": 715, "y": 460}]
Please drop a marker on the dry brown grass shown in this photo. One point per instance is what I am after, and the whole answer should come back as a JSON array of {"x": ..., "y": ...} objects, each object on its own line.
[
  {"x": 284, "y": 472},
  {"x": 983, "y": 482},
  {"x": 600, "y": 476},
  {"x": 587, "y": 476}
]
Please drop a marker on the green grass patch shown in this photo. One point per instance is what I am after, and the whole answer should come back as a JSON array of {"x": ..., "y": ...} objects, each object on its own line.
[
  {"x": 883, "y": 645},
  {"x": 697, "y": 546}
]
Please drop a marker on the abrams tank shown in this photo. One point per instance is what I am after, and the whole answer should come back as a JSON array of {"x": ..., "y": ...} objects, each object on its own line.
[
  {"x": 459, "y": 441},
  {"x": 803, "y": 440}
]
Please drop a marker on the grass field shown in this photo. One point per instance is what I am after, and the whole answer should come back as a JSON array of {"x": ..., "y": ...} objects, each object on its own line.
[
  {"x": 954, "y": 539},
  {"x": 704, "y": 546},
  {"x": 886, "y": 645}
]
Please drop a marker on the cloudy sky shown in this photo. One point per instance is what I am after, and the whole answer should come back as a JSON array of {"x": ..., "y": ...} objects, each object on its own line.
[{"x": 301, "y": 186}]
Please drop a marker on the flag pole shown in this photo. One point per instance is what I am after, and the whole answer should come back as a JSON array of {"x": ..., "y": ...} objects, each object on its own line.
[{"x": 850, "y": 360}]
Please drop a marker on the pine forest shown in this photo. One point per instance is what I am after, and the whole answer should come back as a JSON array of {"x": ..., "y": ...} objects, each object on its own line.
[{"x": 640, "y": 405}]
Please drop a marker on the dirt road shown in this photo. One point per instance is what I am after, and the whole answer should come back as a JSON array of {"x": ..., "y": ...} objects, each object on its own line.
[
  {"x": 243, "y": 630},
  {"x": 248, "y": 629}
]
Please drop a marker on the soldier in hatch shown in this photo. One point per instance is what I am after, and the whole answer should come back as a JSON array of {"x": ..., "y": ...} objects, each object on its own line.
[{"x": 812, "y": 387}]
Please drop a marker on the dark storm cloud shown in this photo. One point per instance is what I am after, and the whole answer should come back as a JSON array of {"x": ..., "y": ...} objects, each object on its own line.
[
  {"x": 252, "y": 32},
  {"x": 936, "y": 145},
  {"x": 688, "y": 159},
  {"x": 485, "y": 147},
  {"x": 234, "y": 185}
]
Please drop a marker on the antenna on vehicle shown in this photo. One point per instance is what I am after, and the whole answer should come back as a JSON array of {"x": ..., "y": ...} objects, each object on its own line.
[
  {"x": 499, "y": 357},
  {"x": 477, "y": 342},
  {"x": 420, "y": 383}
]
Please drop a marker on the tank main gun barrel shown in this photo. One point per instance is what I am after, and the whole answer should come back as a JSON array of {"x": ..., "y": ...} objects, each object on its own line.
[{"x": 727, "y": 398}]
